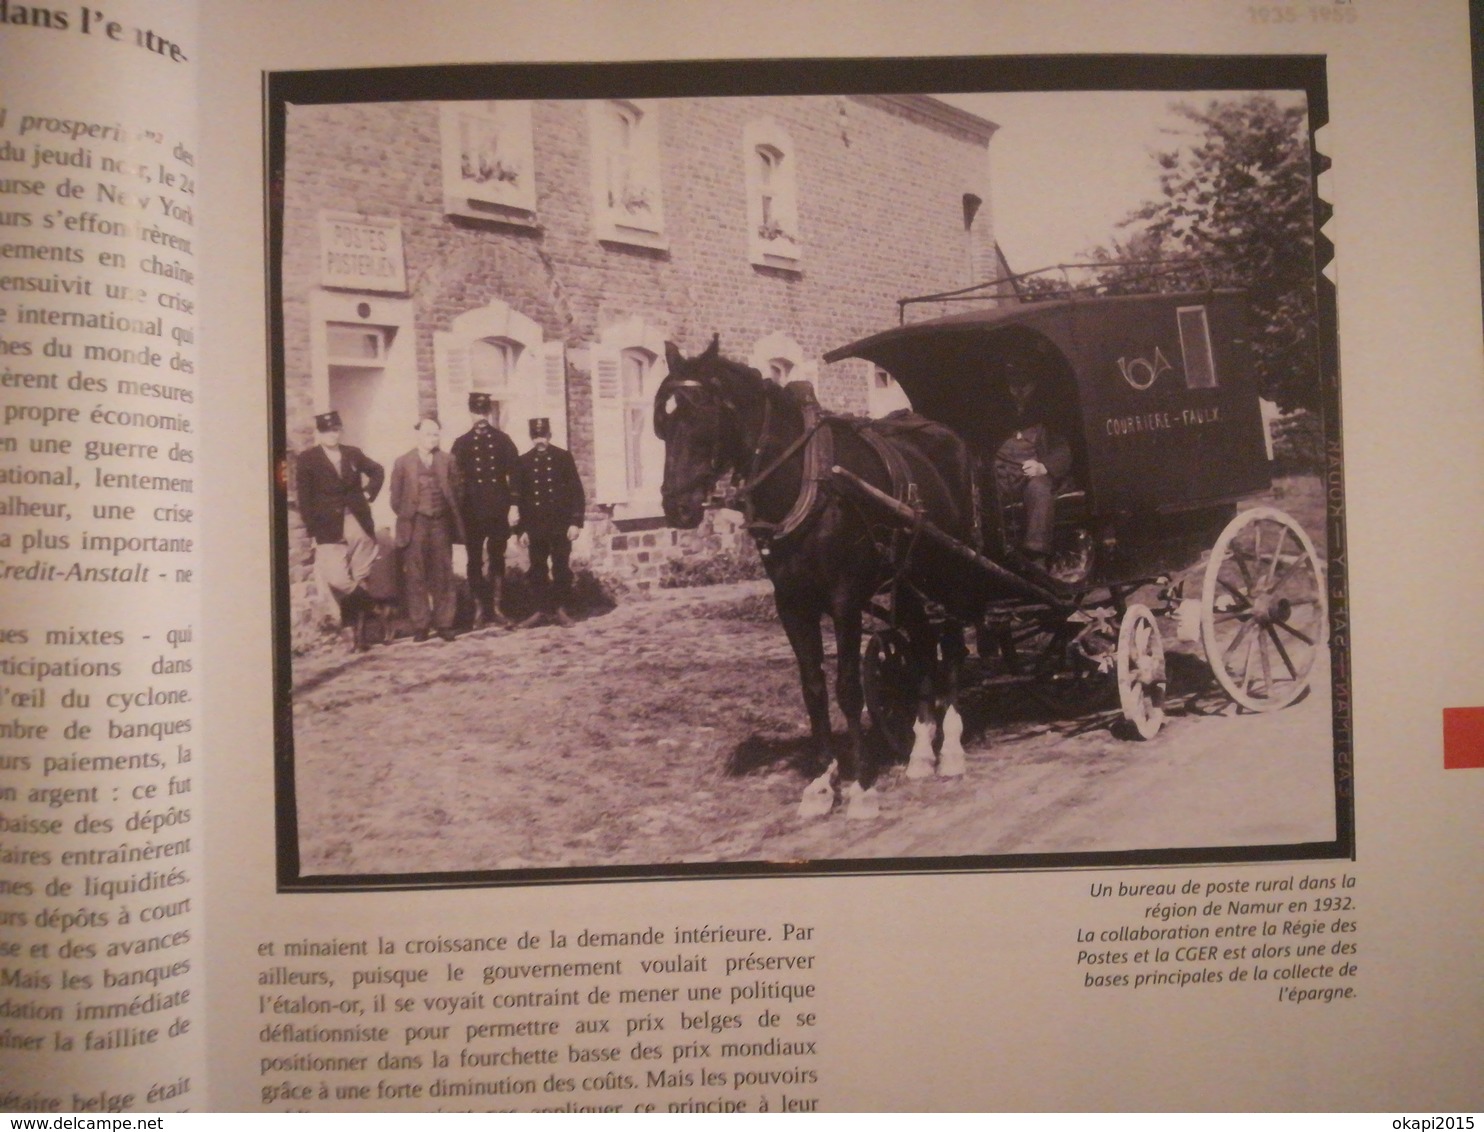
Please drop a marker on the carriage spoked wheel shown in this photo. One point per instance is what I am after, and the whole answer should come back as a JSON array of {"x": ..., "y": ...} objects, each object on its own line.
[
  {"x": 1263, "y": 612},
  {"x": 1141, "y": 671},
  {"x": 886, "y": 680}
]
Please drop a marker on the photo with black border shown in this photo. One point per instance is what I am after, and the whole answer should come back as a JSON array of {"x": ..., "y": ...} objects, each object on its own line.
[{"x": 689, "y": 470}]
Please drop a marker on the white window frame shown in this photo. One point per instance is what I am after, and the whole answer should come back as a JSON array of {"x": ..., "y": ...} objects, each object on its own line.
[
  {"x": 883, "y": 396},
  {"x": 779, "y": 347},
  {"x": 612, "y": 408},
  {"x": 537, "y": 382},
  {"x": 640, "y": 470},
  {"x": 628, "y": 204},
  {"x": 379, "y": 336},
  {"x": 504, "y": 392},
  {"x": 770, "y": 157},
  {"x": 498, "y": 137},
  {"x": 779, "y": 371},
  {"x": 389, "y": 433}
]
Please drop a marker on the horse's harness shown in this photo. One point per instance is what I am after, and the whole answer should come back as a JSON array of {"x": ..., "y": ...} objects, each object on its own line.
[{"x": 818, "y": 444}]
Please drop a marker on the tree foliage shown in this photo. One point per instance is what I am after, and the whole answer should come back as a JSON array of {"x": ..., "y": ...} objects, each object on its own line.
[{"x": 1236, "y": 194}]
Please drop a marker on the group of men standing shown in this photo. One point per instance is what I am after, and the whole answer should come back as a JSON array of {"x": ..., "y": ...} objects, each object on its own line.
[
  {"x": 464, "y": 495},
  {"x": 468, "y": 494}
]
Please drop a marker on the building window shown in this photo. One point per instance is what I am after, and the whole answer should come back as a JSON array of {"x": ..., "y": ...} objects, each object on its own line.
[
  {"x": 626, "y": 173},
  {"x": 772, "y": 196},
  {"x": 496, "y": 350},
  {"x": 883, "y": 394},
  {"x": 629, "y": 460},
  {"x": 488, "y": 161},
  {"x": 638, "y": 396},
  {"x": 350, "y": 344},
  {"x": 363, "y": 364},
  {"x": 975, "y": 223},
  {"x": 769, "y": 176},
  {"x": 780, "y": 359},
  {"x": 492, "y": 370}
]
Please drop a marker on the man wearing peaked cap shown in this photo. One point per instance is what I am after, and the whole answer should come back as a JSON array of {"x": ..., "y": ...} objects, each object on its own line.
[
  {"x": 336, "y": 485},
  {"x": 551, "y": 506},
  {"x": 487, "y": 462}
]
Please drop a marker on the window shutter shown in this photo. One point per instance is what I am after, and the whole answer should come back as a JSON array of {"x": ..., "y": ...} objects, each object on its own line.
[
  {"x": 451, "y": 379},
  {"x": 608, "y": 426},
  {"x": 554, "y": 390}
]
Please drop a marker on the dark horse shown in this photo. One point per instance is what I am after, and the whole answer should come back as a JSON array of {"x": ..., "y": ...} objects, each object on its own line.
[{"x": 825, "y": 551}]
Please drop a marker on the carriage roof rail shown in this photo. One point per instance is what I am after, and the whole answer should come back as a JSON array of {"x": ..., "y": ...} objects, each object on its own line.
[{"x": 1057, "y": 282}]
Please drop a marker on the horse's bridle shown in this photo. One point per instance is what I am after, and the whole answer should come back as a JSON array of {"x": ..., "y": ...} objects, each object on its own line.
[
  {"x": 754, "y": 477},
  {"x": 706, "y": 477}
]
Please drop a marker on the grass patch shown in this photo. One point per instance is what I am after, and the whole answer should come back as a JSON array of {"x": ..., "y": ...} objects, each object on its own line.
[
  {"x": 757, "y": 609},
  {"x": 713, "y": 570},
  {"x": 1298, "y": 443}
]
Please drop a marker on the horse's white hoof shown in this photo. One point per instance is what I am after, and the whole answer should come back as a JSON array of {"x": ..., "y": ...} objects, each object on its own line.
[
  {"x": 819, "y": 795},
  {"x": 920, "y": 761},
  {"x": 951, "y": 755},
  {"x": 816, "y": 803},
  {"x": 861, "y": 805}
]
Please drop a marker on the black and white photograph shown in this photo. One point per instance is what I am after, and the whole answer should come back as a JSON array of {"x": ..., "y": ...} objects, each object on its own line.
[{"x": 723, "y": 469}]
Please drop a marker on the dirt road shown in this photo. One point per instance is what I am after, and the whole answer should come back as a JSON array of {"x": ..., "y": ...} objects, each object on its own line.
[{"x": 672, "y": 730}]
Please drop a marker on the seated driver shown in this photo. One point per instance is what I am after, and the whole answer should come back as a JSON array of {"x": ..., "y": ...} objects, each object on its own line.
[{"x": 1031, "y": 461}]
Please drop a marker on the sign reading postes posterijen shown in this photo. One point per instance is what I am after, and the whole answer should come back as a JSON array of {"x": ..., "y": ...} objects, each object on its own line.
[{"x": 361, "y": 253}]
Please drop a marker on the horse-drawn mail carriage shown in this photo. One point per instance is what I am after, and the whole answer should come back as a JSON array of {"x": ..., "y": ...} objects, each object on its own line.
[
  {"x": 1153, "y": 393},
  {"x": 905, "y": 518}
]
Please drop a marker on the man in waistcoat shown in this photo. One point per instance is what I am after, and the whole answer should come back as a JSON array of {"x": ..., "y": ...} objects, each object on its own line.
[
  {"x": 487, "y": 461},
  {"x": 336, "y": 485},
  {"x": 551, "y": 506},
  {"x": 425, "y": 498}
]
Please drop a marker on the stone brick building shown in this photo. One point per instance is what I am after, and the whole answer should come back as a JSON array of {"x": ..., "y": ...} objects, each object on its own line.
[{"x": 545, "y": 251}]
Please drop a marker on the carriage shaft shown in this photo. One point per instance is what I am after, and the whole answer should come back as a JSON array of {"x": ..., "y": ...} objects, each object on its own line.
[{"x": 941, "y": 538}]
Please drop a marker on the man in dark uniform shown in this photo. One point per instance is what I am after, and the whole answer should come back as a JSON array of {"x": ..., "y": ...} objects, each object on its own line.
[
  {"x": 487, "y": 462},
  {"x": 1031, "y": 461},
  {"x": 336, "y": 485},
  {"x": 551, "y": 506}
]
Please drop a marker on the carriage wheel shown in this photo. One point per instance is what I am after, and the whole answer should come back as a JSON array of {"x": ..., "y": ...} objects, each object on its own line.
[
  {"x": 1263, "y": 612},
  {"x": 886, "y": 680},
  {"x": 1141, "y": 671}
]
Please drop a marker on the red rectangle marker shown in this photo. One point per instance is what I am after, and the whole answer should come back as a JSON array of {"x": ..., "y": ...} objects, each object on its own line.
[{"x": 1463, "y": 738}]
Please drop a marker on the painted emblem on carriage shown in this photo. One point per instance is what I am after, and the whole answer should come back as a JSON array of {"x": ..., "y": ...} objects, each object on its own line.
[{"x": 1141, "y": 372}]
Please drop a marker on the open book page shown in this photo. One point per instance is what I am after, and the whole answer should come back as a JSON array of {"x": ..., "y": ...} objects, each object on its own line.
[
  {"x": 580, "y": 868},
  {"x": 100, "y": 691}
]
